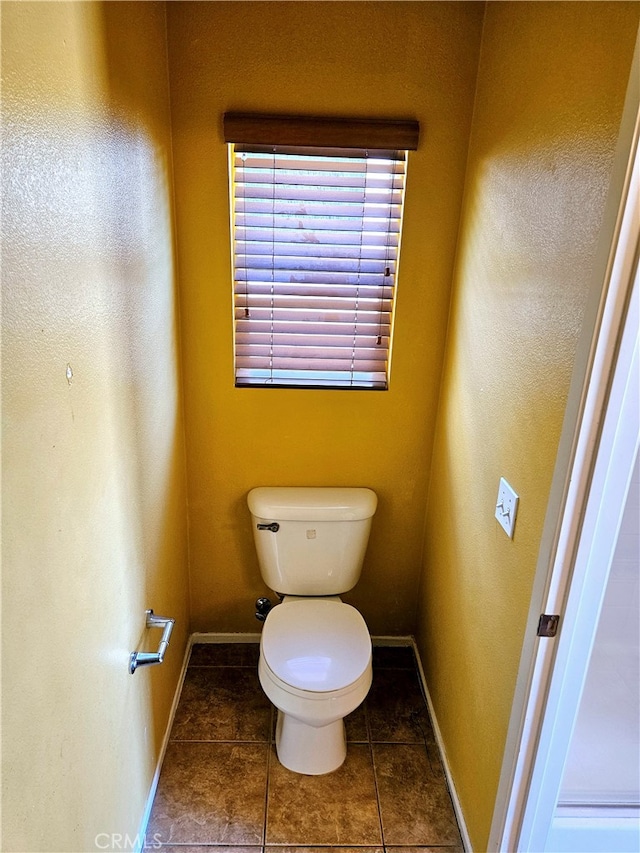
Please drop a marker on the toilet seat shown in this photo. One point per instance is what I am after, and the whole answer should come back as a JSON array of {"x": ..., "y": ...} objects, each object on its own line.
[{"x": 316, "y": 646}]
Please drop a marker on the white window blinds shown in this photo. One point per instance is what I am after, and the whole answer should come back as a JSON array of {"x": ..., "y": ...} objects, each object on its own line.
[{"x": 316, "y": 236}]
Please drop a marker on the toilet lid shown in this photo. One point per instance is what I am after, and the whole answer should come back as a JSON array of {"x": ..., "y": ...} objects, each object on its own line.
[{"x": 316, "y": 644}]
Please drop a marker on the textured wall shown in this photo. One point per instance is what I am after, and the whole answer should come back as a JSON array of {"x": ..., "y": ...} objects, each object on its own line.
[
  {"x": 362, "y": 59},
  {"x": 551, "y": 85},
  {"x": 94, "y": 521}
]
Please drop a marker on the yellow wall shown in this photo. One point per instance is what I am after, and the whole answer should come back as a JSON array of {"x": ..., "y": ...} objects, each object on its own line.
[
  {"x": 361, "y": 59},
  {"x": 94, "y": 527},
  {"x": 551, "y": 84}
]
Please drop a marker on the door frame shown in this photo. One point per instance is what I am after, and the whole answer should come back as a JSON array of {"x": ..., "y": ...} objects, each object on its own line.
[
  {"x": 542, "y": 828},
  {"x": 615, "y": 259}
]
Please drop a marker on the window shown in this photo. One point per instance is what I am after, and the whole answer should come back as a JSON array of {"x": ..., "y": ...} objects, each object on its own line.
[{"x": 316, "y": 235}]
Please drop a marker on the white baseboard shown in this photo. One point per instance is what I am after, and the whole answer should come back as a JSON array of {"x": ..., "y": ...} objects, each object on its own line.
[
  {"x": 224, "y": 638},
  {"x": 466, "y": 841},
  {"x": 255, "y": 638},
  {"x": 140, "y": 837},
  {"x": 392, "y": 641}
]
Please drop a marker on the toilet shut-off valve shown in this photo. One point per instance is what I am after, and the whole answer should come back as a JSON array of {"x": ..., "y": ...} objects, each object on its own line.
[{"x": 263, "y": 606}]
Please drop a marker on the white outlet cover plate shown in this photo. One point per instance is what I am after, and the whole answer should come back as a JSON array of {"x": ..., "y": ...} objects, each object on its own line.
[{"x": 506, "y": 507}]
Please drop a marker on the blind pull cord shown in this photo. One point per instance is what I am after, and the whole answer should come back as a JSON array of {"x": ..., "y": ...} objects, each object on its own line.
[
  {"x": 247, "y": 312},
  {"x": 387, "y": 269},
  {"x": 273, "y": 262},
  {"x": 355, "y": 318}
]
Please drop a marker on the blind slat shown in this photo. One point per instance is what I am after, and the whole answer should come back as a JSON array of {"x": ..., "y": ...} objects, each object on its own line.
[
  {"x": 309, "y": 328},
  {"x": 312, "y": 251},
  {"x": 311, "y": 305},
  {"x": 275, "y": 277},
  {"x": 300, "y": 222},
  {"x": 251, "y": 266},
  {"x": 330, "y": 208},
  {"x": 308, "y": 355},
  {"x": 281, "y": 320},
  {"x": 318, "y": 237},
  {"x": 297, "y": 192},
  {"x": 311, "y": 290},
  {"x": 287, "y": 163},
  {"x": 274, "y": 378},
  {"x": 296, "y": 340},
  {"x": 316, "y": 183}
]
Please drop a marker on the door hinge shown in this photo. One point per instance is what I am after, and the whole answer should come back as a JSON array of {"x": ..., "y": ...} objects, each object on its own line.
[{"x": 548, "y": 625}]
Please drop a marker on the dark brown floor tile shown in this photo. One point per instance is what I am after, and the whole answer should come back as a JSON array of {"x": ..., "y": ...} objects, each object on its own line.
[
  {"x": 438, "y": 849},
  {"x": 225, "y": 654},
  {"x": 211, "y": 793},
  {"x": 338, "y": 809},
  {"x": 356, "y": 726},
  {"x": 393, "y": 657},
  {"x": 415, "y": 806},
  {"x": 198, "y": 848},
  {"x": 396, "y": 708},
  {"x": 332, "y": 849},
  {"x": 221, "y": 704}
]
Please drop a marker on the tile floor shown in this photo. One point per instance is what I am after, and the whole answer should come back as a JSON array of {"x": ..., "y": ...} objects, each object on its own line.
[{"x": 221, "y": 783}]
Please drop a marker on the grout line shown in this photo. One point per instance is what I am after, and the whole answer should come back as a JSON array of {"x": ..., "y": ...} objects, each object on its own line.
[
  {"x": 230, "y": 742},
  {"x": 270, "y": 752},
  {"x": 266, "y": 792},
  {"x": 375, "y": 774}
]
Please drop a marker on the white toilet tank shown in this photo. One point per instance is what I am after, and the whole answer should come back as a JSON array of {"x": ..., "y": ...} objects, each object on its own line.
[{"x": 320, "y": 540}]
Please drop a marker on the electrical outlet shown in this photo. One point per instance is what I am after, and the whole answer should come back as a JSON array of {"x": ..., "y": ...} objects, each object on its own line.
[{"x": 506, "y": 507}]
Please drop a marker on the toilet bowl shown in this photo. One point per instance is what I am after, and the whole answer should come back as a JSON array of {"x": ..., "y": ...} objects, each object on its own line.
[
  {"x": 315, "y": 651},
  {"x": 315, "y": 666}
]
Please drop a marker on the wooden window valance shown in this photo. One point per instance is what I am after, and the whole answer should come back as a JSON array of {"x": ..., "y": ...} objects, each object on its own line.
[{"x": 319, "y": 132}]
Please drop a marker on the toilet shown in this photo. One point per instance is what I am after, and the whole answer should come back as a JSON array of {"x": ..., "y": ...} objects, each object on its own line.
[{"x": 315, "y": 650}]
